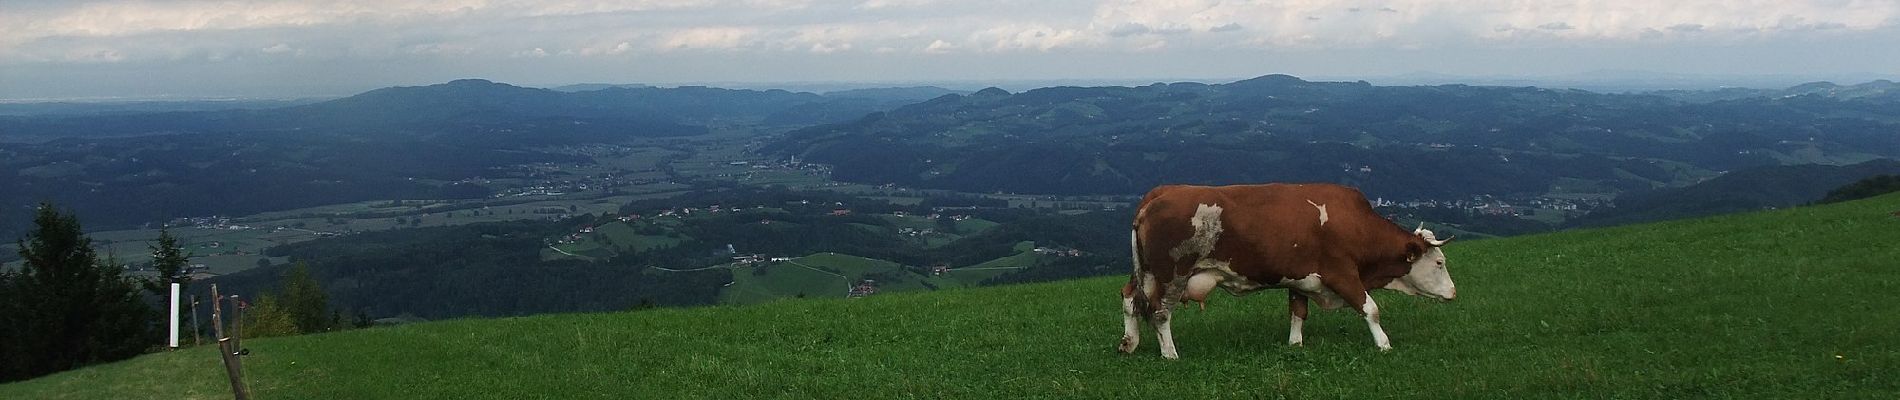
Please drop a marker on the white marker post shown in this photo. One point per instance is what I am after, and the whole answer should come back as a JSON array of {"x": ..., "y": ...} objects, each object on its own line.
[{"x": 173, "y": 340}]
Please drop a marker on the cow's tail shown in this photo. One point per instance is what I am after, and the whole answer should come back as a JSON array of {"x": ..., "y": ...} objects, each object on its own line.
[{"x": 1137, "y": 288}]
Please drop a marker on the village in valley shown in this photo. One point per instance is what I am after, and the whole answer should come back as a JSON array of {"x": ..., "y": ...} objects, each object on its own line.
[{"x": 612, "y": 175}]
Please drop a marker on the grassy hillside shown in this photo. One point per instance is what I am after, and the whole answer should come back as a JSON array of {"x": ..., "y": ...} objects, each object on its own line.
[{"x": 1787, "y": 304}]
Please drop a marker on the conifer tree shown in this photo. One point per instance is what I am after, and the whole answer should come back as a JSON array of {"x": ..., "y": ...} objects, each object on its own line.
[
  {"x": 65, "y": 309},
  {"x": 169, "y": 259}
]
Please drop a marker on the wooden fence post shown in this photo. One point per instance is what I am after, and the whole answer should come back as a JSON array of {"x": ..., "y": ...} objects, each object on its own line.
[
  {"x": 237, "y": 326},
  {"x": 196, "y": 339},
  {"x": 226, "y": 348}
]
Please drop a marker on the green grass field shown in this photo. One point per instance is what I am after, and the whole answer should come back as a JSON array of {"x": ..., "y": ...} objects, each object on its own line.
[
  {"x": 1795, "y": 303},
  {"x": 620, "y": 234},
  {"x": 821, "y": 275}
]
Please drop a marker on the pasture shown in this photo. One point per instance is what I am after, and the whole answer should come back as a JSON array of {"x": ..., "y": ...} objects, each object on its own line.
[{"x": 1794, "y": 303}]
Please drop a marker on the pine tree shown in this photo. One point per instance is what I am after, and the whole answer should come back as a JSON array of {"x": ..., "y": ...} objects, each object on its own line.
[
  {"x": 169, "y": 260},
  {"x": 13, "y": 359},
  {"x": 65, "y": 309}
]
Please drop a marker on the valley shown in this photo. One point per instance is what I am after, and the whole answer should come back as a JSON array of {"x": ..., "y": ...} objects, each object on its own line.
[{"x": 746, "y": 207}]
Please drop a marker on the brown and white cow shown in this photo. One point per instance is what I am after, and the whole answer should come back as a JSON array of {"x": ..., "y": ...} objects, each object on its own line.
[{"x": 1319, "y": 241}]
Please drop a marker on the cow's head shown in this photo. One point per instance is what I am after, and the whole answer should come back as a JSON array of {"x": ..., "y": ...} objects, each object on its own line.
[{"x": 1428, "y": 275}]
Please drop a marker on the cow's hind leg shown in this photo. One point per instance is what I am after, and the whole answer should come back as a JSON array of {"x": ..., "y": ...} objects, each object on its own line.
[
  {"x": 1164, "y": 333},
  {"x": 1131, "y": 319},
  {"x": 1296, "y": 306},
  {"x": 1161, "y": 299}
]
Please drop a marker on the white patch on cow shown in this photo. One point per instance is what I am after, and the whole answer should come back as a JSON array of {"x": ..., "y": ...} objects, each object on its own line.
[
  {"x": 1371, "y": 309},
  {"x": 1207, "y": 230},
  {"x": 1322, "y": 211},
  {"x": 1147, "y": 284},
  {"x": 1295, "y": 335},
  {"x": 1313, "y": 288}
]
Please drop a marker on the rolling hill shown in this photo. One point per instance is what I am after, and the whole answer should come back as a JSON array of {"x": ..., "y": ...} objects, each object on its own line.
[
  {"x": 1791, "y": 303},
  {"x": 468, "y": 106},
  {"x": 1445, "y": 141},
  {"x": 1744, "y": 190},
  {"x": 390, "y": 143}
]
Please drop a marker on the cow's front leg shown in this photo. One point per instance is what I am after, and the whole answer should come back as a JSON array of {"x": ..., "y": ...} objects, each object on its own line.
[
  {"x": 1296, "y": 306},
  {"x": 1371, "y": 310},
  {"x": 1357, "y": 297}
]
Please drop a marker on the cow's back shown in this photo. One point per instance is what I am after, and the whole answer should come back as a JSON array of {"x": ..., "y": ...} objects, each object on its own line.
[{"x": 1267, "y": 232}]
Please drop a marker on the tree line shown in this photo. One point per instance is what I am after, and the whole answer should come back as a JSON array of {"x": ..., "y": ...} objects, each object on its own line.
[{"x": 67, "y": 307}]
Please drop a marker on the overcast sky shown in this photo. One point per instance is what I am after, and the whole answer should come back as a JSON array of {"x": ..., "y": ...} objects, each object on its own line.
[{"x": 71, "y": 49}]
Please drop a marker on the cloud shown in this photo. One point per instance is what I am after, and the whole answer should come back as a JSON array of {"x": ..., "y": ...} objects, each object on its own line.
[
  {"x": 939, "y": 47},
  {"x": 131, "y": 30},
  {"x": 1128, "y": 29},
  {"x": 533, "y": 53},
  {"x": 1032, "y": 38},
  {"x": 822, "y": 48},
  {"x": 1686, "y": 27},
  {"x": 719, "y": 38},
  {"x": 1479, "y": 23},
  {"x": 701, "y": 38},
  {"x": 879, "y": 4}
]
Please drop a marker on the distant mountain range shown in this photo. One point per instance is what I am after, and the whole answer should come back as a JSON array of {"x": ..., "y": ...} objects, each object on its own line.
[
  {"x": 1622, "y": 81},
  {"x": 1423, "y": 141},
  {"x": 1441, "y": 142},
  {"x": 474, "y": 105},
  {"x": 74, "y": 108},
  {"x": 588, "y": 87},
  {"x": 1874, "y": 89}
]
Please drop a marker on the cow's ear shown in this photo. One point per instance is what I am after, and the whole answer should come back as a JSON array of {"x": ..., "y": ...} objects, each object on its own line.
[{"x": 1412, "y": 251}]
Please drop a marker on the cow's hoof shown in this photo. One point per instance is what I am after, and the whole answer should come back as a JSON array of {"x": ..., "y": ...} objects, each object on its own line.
[
  {"x": 1171, "y": 356},
  {"x": 1296, "y": 343},
  {"x": 1383, "y": 349},
  {"x": 1127, "y": 345}
]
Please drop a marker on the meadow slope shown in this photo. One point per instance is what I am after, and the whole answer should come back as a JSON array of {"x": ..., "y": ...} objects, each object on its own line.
[{"x": 1794, "y": 303}]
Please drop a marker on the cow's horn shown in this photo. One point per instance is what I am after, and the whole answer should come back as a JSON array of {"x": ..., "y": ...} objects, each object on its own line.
[
  {"x": 1437, "y": 243},
  {"x": 1421, "y": 227}
]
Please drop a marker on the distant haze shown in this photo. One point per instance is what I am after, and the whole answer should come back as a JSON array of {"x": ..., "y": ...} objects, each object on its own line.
[{"x": 299, "y": 48}]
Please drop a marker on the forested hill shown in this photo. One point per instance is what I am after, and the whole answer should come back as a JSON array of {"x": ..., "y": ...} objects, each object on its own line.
[
  {"x": 1414, "y": 141},
  {"x": 1875, "y": 88},
  {"x": 417, "y": 142},
  {"x": 1745, "y": 190},
  {"x": 475, "y": 105}
]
